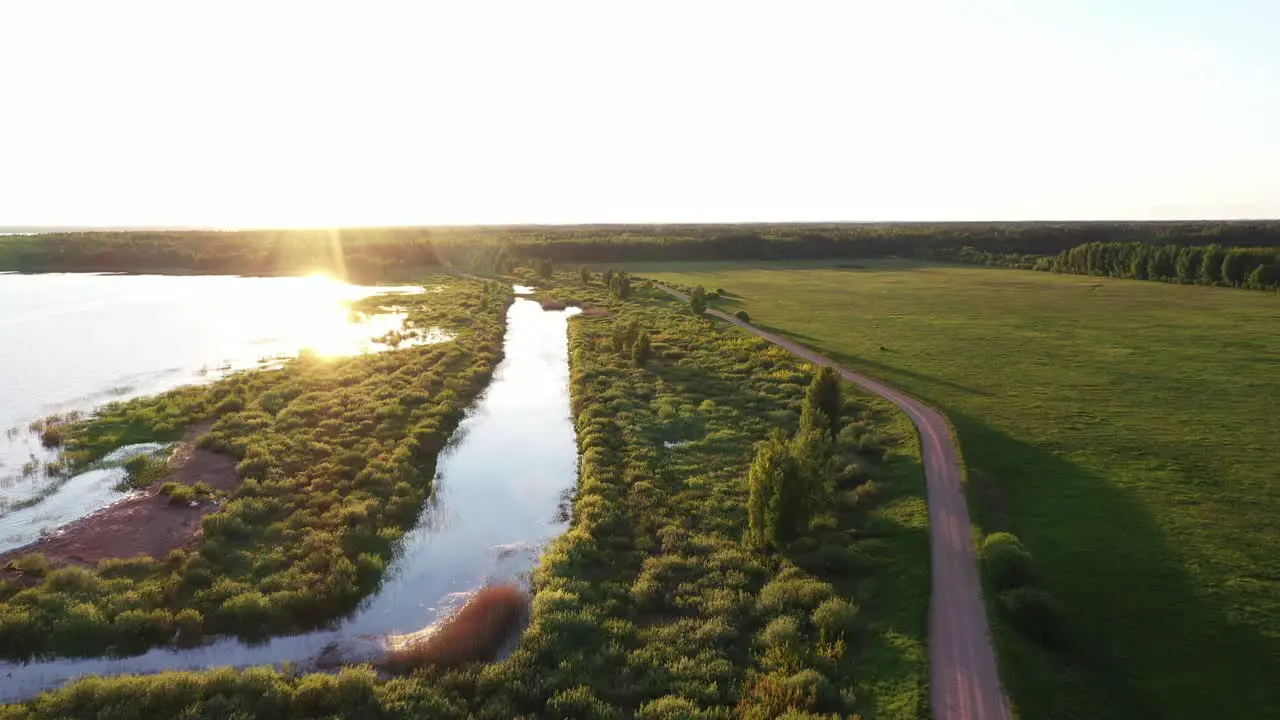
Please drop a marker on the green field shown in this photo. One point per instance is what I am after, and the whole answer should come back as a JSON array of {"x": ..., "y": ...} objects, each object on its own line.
[{"x": 1126, "y": 430}]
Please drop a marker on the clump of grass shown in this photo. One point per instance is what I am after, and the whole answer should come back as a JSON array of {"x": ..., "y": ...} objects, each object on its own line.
[
  {"x": 472, "y": 634},
  {"x": 141, "y": 471}
]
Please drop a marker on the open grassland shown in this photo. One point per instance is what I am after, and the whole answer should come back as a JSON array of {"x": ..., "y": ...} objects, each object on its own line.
[
  {"x": 1127, "y": 431},
  {"x": 654, "y": 604}
]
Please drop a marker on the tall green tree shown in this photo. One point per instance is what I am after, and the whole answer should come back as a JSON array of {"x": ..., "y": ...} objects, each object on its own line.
[
  {"x": 1211, "y": 267},
  {"x": 1233, "y": 268},
  {"x": 585, "y": 275},
  {"x": 641, "y": 351},
  {"x": 776, "y": 503},
  {"x": 824, "y": 396},
  {"x": 698, "y": 300}
]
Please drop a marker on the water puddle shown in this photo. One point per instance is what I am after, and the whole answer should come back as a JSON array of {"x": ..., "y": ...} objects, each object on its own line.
[{"x": 495, "y": 506}]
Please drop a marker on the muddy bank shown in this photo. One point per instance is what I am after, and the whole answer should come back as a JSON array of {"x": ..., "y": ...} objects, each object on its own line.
[{"x": 143, "y": 523}]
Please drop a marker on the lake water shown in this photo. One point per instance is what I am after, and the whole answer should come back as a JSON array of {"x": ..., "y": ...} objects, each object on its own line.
[
  {"x": 498, "y": 499},
  {"x": 72, "y": 342}
]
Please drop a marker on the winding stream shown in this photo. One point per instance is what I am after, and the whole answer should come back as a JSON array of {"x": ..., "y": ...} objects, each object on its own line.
[{"x": 496, "y": 502}]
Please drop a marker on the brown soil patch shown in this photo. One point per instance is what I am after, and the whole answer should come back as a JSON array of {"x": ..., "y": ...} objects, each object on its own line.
[{"x": 145, "y": 523}]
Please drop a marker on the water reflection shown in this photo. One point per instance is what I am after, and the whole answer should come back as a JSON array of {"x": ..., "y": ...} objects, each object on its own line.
[
  {"x": 494, "y": 507},
  {"x": 71, "y": 342}
]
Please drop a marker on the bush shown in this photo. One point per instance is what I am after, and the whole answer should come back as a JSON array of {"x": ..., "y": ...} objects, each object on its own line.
[
  {"x": 181, "y": 494},
  {"x": 1034, "y": 613},
  {"x": 578, "y": 703},
  {"x": 835, "y": 618},
  {"x": 798, "y": 596},
  {"x": 670, "y": 707},
  {"x": 190, "y": 626},
  {"x": 999, "y": 539},
  {"x": 743, "y": 316},
  {"x": 1009, "y": 566},
  {"x": 781, "y": 632},
  {"x": 31, "y": 564}
]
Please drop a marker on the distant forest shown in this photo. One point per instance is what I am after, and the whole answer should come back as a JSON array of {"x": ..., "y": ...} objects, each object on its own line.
[{"x": 370, "y": 253}]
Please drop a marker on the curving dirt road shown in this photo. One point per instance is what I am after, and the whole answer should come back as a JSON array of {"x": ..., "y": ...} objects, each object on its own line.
[{"x": 963, "y": 680}]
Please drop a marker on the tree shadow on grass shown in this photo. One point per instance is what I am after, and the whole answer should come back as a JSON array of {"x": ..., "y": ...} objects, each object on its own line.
[
  {"x": 886, "y": 371},
  {"x": 1142, "y": 640}
]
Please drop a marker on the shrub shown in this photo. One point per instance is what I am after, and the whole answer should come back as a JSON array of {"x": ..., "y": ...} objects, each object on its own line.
[
  {"x": 1009, "y": 566},
  {"x": 814, "y": 685},
  {"x": 835, "y": 618},
  {"x": 578, "y": 703},
  {"x": 1034, "y": 613},
  {"x": 31, "y": 564},
  {"x": 181, "y": 494},
  {"x": 998, "y": 539},
  {"x": 53, "y": 436},
  {"x": 670, "y": 707},
  {"x": 798, "y": 596},
  {"x": 743, "y": 316},
  {"x": 781, "y": 632},
  {"x": 190, "y": 626}
]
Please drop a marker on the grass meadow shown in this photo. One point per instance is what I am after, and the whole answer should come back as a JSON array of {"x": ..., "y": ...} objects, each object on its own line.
[{"x": 1127, "y": 431}]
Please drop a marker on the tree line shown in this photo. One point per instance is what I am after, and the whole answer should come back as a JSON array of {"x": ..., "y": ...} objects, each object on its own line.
[
  {"x": 1254, "y": 268},
  {"x": 1242, "y": 267},
  {"x": 377, "y": 252}
]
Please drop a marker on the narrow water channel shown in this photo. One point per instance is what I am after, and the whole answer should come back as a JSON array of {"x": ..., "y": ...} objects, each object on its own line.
[{"x": 496, "y": 502}]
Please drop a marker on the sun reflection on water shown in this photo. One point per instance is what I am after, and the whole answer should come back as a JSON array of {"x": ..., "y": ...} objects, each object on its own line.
[{"x": 323, "y": 323}]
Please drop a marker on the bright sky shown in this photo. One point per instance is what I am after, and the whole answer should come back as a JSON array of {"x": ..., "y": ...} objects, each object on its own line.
[{"x": 269, "y": 114}]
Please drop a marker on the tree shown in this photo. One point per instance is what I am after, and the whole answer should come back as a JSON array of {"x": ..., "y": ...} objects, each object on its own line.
[
  {"x": 1233, "y": 268},
  {"x": 1265, "y": 276},
  {"x": 1189, "y": 261},
  {"x": 698, "y": 300},
  {"x": 545, "y": 268},
  {"x": 607, "y": 277},
  {"x": 620, "y": 286},
  {"x": 585, "y": 274},
  {"x": 811, "y": 451},
  {"x": 823, "y": 395},
  {"x": 640, "y": 353},
  {"x": 772, "y": 505},
  {"x": 1211, "y": 267}
]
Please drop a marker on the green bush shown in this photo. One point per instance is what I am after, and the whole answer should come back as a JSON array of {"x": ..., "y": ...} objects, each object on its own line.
[
  {"x": 670, "y": 707},
  {"x": 31, "y": 564},
  {"x": 743, "y": 316},
  {"x": 1036, "y": 614},
  {"x": 798, "y": 596},
  {"x": 1009, "y": 566},
  {"x": 836, "y": 618},
  {"x": 999, "y": 539},
  {"x": 579, "y": 703},
  {"x": 181, "y": 494},
  {"x": 781, "y": 632},
  {"x": 189, "y": 624}
]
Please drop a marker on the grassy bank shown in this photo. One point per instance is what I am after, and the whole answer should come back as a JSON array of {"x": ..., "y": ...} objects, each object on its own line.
[
  {"x": 1125, "y": 430},
  {"x": 653, "y": 605},
  {"x": 336, "y": 457}
]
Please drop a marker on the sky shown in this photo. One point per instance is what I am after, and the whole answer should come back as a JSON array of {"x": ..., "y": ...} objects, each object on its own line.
[{"x": 257, "y": 114}]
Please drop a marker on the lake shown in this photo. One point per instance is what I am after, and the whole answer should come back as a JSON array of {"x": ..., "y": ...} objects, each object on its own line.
[
  {"x": 499, "y": 496},
  {"x": 72, "y": 342}
]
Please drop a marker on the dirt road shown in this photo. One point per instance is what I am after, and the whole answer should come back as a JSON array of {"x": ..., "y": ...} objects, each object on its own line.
[{"x": 964, "y": 683}]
